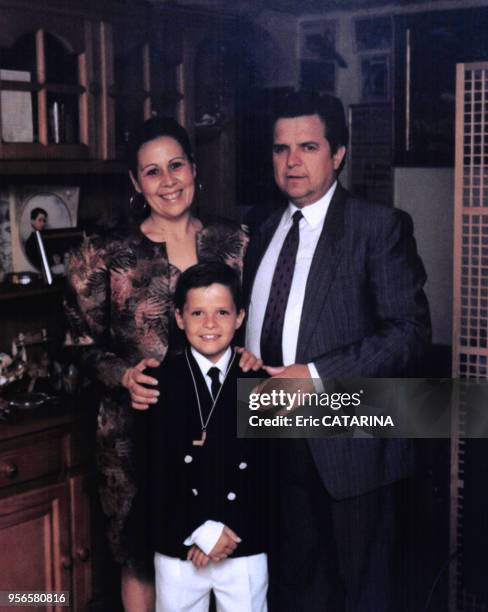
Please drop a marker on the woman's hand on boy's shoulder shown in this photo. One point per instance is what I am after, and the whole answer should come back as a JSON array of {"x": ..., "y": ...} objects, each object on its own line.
[
  {"x": 134, "y": 379},
  {"x": 248, "y": 361}
]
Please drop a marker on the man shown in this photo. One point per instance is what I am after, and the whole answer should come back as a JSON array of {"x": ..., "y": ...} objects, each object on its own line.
[
  {"x": 38, "y": 219},
  {"x": 335, "y": 288}
]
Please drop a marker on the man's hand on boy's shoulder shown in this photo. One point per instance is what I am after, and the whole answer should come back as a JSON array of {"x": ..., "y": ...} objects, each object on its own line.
[{"x": 248, "y": 361}]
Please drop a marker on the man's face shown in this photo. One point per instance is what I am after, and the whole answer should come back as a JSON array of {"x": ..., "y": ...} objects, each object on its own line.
[
  {"x": 210, "y": 320},
  {"x": 304, "y": 167},
  {"x": 39, "y": 222}
]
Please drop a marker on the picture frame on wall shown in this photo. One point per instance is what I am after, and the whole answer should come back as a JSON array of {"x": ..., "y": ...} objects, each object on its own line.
[
  {"x": 318, "y": 39},
  {"x": 375, "y": 78},
  {"x": 373, "y": 34},
  {"x": 59, "y": 207},
  {"x": 5, "y": 235},
  {"x": 319, "y": 58}
]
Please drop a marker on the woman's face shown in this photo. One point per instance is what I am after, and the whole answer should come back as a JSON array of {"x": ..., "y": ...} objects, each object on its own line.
[{"x": 165, "y": 177}]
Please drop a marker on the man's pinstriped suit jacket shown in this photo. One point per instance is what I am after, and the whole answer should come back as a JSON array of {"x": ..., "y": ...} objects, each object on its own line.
[{"x": 364, "y": 315}]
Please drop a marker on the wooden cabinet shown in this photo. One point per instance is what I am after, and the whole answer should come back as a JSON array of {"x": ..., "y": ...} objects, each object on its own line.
[
  {"x": 75, "y": 80},
  {"x": 212, "y": 60},
  {"x": 77, "y": 77},
  {"x": 44, "y": 508},
  {"x": 34, "y": 529},
  {"x": 145, "y": 74},
  {"x": 46, "y": 73}
]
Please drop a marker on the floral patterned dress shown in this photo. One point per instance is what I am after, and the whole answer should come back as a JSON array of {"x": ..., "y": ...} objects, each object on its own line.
[{"x": 119, "y": 306}]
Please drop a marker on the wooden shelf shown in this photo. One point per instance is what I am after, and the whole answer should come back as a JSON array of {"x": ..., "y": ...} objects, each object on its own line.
[
  {"x": 38, "y": 419},
  {"x": 51, "y": 167},
  {"x": 13, "y": 292}
]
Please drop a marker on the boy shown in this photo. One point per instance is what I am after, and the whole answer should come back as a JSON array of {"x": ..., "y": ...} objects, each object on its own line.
[{"x": 209, "y": 490}]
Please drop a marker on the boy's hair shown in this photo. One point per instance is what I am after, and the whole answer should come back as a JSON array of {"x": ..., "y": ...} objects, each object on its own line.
[
  {"x": 35, "y": 212},
  {"x": 204, "y": 275}
]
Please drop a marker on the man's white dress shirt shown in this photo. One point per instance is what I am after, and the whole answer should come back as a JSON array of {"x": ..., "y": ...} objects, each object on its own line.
[{"x": 310, "y": 228}]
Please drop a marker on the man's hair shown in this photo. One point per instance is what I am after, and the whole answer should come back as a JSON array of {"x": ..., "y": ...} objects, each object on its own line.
[
  {"x": 204, "y": 275},
  {"x": 328, "y": 108},
  {"x": 35, "y": 212}
]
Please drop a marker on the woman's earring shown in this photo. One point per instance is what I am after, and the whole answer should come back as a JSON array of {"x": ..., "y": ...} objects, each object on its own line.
[
  {"x": 133, "y": 201},
  {"x": 199, "y": 186}
]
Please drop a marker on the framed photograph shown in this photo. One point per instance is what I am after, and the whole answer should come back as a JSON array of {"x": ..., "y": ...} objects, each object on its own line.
[
  {"x": 375, "y": 78},
  {"x": 317, "y": 40},
  {"x": 373, "y": 34},
  {"x": 5, "y": 235},
  {"x": 38, "y": 209},
  {"x": 53, "y": 246}
]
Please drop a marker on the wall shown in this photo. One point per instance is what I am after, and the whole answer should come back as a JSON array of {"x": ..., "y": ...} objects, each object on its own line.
[
  {"x": 279, "y": 66},
  {"x": 428, "y": 195},
  {"x": 348, "y": 82}
]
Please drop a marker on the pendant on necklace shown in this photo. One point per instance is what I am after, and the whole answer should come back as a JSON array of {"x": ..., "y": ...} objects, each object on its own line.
[{"x": 200, "y": 442}]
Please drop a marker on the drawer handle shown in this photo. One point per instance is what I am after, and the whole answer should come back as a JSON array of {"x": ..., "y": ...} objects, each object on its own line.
[
  {"x": 9, "y": 469},
  {"x": 83, "y": 554},
  {"x": 66, "y": 563}
]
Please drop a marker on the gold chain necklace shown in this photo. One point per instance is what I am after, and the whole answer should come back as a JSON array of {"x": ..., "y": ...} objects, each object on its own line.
[{"x": 205, "y": 423}]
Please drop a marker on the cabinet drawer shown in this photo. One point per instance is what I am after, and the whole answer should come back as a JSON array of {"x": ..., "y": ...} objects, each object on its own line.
[{"x": 29, "y": 459}]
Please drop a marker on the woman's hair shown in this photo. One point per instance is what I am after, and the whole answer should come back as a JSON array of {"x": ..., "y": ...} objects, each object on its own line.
[{"x": 153, "y": 128}]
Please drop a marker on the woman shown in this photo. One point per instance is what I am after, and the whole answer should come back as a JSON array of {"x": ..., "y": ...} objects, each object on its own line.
[{"x": 121, "y": 307}]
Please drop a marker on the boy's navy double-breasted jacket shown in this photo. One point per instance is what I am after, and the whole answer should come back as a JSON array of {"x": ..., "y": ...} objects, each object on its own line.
[{"x": 227, "y": 479}]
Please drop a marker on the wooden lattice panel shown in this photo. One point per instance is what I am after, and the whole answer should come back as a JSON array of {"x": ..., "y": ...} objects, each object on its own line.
[
  {"x": 471, "y": 224},
  {"x": 470, "y": 307},
  {"x": 474, "y": 283}
]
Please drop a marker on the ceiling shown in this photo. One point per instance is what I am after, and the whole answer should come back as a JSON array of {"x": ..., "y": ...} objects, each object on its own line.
[{"x": 292, "y": 7}]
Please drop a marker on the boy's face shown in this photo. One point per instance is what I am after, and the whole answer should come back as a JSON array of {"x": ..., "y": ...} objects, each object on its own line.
[
  {"x": 39, "y": 222},
  {"x": 209, "y": 320}
]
